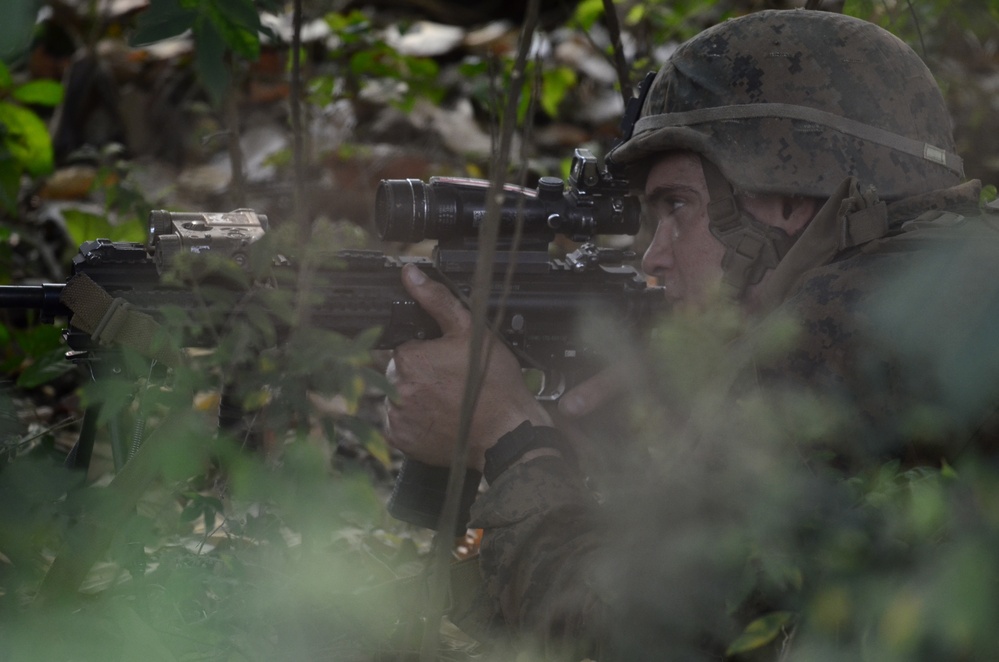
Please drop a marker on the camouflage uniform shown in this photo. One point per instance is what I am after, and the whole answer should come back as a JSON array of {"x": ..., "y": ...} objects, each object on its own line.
[
  {"x": 543, "y": 531},
  {"x": 787, "y": 103}
]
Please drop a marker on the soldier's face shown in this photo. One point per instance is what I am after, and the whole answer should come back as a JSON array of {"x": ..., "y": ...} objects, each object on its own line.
[{"x": 683, "y": 255}]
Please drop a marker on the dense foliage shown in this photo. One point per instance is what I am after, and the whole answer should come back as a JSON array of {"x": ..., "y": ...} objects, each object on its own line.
[{"x": 268, "y": 539}]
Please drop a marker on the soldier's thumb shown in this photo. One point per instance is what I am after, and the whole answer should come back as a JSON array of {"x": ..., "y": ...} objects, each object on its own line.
[{"x": 436, "y": 299}]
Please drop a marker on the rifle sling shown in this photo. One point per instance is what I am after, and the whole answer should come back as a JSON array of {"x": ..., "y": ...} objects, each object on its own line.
[{"x": 111, "y": 320}]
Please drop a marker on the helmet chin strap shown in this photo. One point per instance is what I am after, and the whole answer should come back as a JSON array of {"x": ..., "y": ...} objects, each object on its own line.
[{"x": 751, "y": 246}]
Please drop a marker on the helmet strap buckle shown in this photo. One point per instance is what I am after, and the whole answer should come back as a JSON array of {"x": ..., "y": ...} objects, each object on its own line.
[
  {"x": 751, "y": 247},
  {"x": 864, "y": 217}
]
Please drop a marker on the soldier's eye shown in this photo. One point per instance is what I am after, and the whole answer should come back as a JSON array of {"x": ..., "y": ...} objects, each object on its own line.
[{"x": 664, "y": 205}]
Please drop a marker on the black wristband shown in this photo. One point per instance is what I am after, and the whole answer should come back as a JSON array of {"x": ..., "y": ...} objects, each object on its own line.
[{"x": 515, "y": 443}]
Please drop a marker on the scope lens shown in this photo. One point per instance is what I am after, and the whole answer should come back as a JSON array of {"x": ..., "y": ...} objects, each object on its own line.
[{"x": 401, "y": 209}]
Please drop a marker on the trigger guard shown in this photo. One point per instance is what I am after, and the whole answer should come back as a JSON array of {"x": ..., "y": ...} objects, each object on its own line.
[{"x": 552, "y": 395}]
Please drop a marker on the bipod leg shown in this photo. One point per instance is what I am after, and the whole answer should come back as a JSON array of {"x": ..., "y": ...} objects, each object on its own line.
[
  {"x": 104, "y": 370},
  {"x": 83, "y": 449}
]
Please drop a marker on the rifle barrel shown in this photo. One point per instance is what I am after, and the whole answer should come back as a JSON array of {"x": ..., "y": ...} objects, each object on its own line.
[{"x": 43, "y": 297}]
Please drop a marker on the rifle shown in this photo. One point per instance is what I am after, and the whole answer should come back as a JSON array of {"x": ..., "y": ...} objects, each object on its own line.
[{"x": 117, "y": 291}]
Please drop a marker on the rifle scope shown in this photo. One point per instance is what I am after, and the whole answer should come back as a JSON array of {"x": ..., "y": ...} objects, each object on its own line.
[{"x": 445, "y": 208}]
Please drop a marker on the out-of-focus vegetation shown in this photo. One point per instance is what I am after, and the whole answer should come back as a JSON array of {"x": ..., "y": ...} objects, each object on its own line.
[{"x": 271, "y": 541}]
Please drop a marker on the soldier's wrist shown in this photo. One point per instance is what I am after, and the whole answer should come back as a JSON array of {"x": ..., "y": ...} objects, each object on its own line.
[{"x": 523, "y": 443}]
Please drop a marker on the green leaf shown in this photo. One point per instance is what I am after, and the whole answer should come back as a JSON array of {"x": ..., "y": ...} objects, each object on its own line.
[
  {"x": 38, "y": 341},
  {"x": 40, "y": 93},
  {"x": 211, "y": 60},
  {"x": 44, "y": 369},
  {"x": 134, "y": 231},
  {"x": 422, "y": 68},
  {"x": 27, "y": 139},
  {"x": 472, "y": 67},
  {"x": 589, "y": 12},
  {"x": 163, "y": 19},
  {"x": 17, "y": 28},
  {"x": 760, "y": 632},
  {"x": 262, "y": 322},
  {"x": 237, "y": 30},
  {"x": 84, "y": 226},
  {"x": 928, "y": 510},
  {"x": 5, "y": 78},
  {"x": 349, "y": 27},
  {"x": 241, "y": 13},
  {"x": 114, "y": 396},
  {"x": 556, "y": 83},
  {"x": 239, "y": 23},
  {"x": 377, "y": 380},
  {"x": 372, "y": 62},
  {"x": 636, "y": 15},
  {"x": 366, "y": 340},
  {"x": 372, "y": 441}
]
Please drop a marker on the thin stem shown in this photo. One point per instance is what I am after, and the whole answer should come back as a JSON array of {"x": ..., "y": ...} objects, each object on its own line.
[{"x": 488, "y": 232}]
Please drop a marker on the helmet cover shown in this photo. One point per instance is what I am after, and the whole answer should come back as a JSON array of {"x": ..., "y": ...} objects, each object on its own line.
[{"x": 793, "y": 102}]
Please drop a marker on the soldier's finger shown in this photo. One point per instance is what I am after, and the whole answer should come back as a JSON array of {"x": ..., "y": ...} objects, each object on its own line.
[{"x": 436, "y": 299}]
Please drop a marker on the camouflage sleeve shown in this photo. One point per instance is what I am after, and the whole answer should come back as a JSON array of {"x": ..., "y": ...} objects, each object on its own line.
[
  {"x": 539, "y": 533},
  {"x": 889, "y": 342}
]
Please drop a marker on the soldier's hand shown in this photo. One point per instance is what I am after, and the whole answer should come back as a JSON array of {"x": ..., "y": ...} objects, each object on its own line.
[
  {"x": 590, "y": 395},
  {"x": 430, "y": 380}
]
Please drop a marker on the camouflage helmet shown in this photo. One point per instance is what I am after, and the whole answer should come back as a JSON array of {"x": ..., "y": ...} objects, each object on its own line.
[{"x": 795, "y": 101}]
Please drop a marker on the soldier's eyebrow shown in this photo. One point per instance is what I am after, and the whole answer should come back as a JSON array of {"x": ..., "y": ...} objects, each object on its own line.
[{"x": 669, "y": 190}]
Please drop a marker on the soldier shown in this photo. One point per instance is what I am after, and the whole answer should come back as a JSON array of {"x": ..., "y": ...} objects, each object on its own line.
[{"x": 802, "y": 164}]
